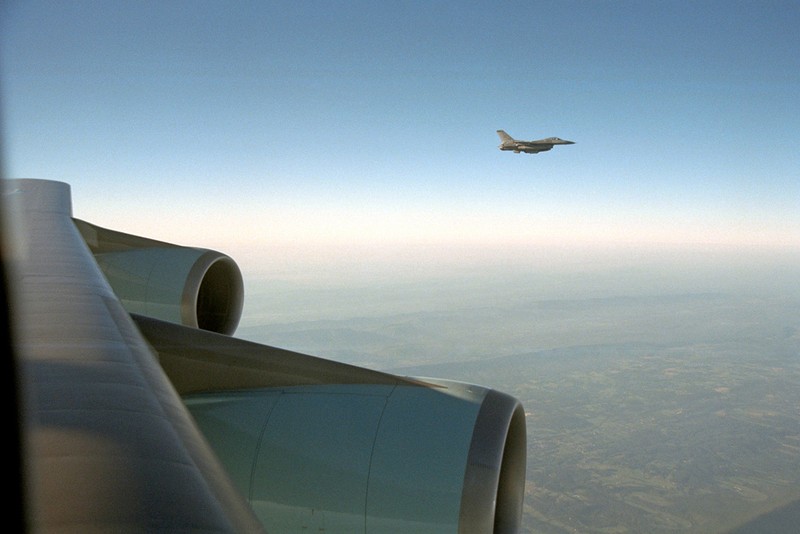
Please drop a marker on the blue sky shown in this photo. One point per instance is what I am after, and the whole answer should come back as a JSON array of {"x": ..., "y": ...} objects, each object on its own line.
[{"x": 252, "y": 124}]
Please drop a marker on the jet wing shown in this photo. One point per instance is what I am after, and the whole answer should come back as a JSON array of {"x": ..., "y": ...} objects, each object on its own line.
[
  {"x": 109, "y": 443},
  {"x": 533, "y": 148},
  {"x": 142, "y": 414}
]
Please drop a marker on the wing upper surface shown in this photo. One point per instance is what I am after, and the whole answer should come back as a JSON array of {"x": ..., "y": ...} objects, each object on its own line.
[{"x": 200, "y": 361}]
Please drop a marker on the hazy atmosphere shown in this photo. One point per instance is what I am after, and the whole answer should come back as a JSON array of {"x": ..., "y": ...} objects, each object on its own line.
[
  {"x": 249, "y": 124},
  {"x": 637, "y": 290}
]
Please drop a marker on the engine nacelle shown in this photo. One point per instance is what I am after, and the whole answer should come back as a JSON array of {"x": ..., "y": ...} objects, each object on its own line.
[
  {"x": 435, "y": 458},
  {"x": 318, "y": 445},
  {"x": 190, "y": 286}
]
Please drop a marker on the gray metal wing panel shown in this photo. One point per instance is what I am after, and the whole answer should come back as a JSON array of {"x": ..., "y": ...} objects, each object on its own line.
[
  {"x": 198, "y": 361},
  {"x": 109, "y": 444}
]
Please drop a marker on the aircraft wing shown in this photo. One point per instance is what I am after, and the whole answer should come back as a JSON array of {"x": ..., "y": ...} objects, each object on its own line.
[
  {"x": 108, "y": 442},
  {"x": 141, "y": 414},
  {"x": 533, "y": 148}
]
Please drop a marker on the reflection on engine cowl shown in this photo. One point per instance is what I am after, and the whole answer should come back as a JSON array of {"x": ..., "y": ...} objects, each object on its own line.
[
  {"x": 194, "y": 287},
  {"x": 446, "y": 457}
]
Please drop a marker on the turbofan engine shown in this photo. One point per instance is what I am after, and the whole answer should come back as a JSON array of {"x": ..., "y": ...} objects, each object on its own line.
[{"x": 191, "y": 286}]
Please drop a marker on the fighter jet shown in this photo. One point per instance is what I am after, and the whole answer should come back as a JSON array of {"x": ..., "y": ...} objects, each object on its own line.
[{"x": 529, "y": 147}]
